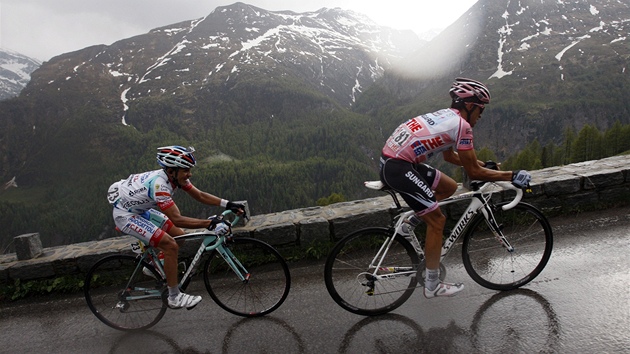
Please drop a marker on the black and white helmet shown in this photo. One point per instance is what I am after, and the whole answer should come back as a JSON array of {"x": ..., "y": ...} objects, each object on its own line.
[
  {"x": 468, "y": 90},
  {"x": 176, "y": 156}
]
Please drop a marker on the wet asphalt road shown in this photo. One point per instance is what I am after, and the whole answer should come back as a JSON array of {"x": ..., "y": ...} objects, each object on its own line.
[{"x": 579, "y": 304}]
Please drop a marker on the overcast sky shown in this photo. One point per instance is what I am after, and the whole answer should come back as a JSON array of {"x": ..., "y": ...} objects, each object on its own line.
[{"x": 42, "y": 29}]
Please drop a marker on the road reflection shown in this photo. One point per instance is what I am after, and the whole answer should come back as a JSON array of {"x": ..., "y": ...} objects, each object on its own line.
[
  {"x": 389, "y": 333},
  {"x": 148, "y": 341},
  {"x": 249, "y": 335},
  {"x": 262, "y": 335},
  {"x": 518, "y": 321}
]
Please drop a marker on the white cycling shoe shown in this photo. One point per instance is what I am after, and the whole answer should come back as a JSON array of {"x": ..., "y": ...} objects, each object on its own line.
[
  {"x": 443, "y": 290},
  {"x": 183, "y": 301}
]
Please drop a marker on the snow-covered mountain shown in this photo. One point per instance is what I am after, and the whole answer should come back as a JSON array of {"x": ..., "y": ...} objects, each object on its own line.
[
  {"x": 527, "y": 39},
  {"x": 549, "y": 64},
  {"x": 15, "y": 72},
  {"x": 244, "y": 61},
  {"x": 335, "y": 52}
]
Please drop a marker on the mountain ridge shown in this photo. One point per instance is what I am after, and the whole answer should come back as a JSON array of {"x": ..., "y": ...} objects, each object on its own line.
[
  {"x": 15, "y": 72},
  {"x": 236, "y": 40}
]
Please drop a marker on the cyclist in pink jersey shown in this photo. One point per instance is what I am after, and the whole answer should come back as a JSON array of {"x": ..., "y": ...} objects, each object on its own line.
[
  {"x": 403, "y": 168},
  {"x": 144, "y": 208}
]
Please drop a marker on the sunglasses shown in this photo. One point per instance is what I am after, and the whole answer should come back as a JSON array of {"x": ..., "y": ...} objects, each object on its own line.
[{"x": 481, "y": 107}]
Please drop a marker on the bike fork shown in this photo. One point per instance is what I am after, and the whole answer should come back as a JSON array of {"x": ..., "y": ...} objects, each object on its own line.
[
  {"x": 235, "y": 264},
  {"x": 496, "y": 229}
]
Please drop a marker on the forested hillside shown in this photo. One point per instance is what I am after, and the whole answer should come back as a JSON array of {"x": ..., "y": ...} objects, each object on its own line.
[
  {"x": 275, "y": 164},
  {"x": 300, "y": 166}
]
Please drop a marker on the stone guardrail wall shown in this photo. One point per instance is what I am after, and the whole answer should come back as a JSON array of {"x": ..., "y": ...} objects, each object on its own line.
[{"x": 556, "y": 190}]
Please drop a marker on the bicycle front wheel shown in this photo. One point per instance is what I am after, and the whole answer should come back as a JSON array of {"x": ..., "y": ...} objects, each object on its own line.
[
  {"x": 353, "y": 281},
  {"x": 122, "y": 296},
  {"x": 266, "y": 284},
  {"x": 491, "y": 265}
]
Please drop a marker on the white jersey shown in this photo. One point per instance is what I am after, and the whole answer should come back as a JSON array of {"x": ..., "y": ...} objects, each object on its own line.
[{"x": 144, "y": 191}]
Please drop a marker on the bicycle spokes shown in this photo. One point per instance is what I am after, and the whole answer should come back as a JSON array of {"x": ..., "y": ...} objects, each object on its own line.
[
  {"x": 530, "y": 242},
  {"x": 122, "y": 295},
  {"x": 250, "y": 278},
  {"x": 370, "y": 272}
]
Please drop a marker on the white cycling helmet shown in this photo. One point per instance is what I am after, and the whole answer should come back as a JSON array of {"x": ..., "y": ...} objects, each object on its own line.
[
  {"x": 468, "y": 90},
  {"x": 176, "y": 156}
]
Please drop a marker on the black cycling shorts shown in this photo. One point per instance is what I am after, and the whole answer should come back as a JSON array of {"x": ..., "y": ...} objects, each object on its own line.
[{"x": 414, "y": 182}]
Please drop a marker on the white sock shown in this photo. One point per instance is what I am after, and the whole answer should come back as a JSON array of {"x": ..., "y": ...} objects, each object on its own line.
[
  {"x": 173, "y": 292},
  {"x": 432, "y": 279}
]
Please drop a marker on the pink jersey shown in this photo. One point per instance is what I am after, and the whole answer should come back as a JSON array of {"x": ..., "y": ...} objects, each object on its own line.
[{"x": 419, "y": 138}]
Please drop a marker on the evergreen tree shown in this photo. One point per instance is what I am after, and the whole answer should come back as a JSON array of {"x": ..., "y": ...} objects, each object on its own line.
[
  {"x": 567, "y": 145},
  {"x": 587, "y": 145}
]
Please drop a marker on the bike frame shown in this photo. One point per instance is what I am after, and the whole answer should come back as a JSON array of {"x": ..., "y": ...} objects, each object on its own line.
[
  {"x": 479, "y": 200},
  {"x": 210, "y": 241}
]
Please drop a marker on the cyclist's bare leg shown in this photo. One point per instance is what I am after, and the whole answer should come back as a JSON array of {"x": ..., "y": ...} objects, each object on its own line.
[
  {"x": 435, "y": 226},
  {"x": 170, "y": 248},
  {"x": 433, "y": 287},
  {"x": 446, "y": 187},
  {"x": 435, "y": 221},
  {"x": 168, "y": 245}
]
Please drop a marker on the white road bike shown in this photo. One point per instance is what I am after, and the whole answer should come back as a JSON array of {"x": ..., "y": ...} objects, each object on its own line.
[{"x": 505, "y": 245}]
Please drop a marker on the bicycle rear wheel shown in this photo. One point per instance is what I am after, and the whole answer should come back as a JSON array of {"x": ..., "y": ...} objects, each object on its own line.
[
  {"x": 120, "y": 295},
  {"x": 267, "y": 284},
  {"x": 349, "y": 276},
  {"x": 493, "y": 266}
]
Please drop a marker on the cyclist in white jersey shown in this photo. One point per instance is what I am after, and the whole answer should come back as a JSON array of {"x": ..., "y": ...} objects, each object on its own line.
[
  {"x": 144, "y": 208},
  {"x": 448, "y": 131}
]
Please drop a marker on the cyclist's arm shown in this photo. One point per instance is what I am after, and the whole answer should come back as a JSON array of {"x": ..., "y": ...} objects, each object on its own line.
[
  {"x": 180, "y": 220},
  {"x": 452, "y": 156},
  {"x": 475, "y": 171},
  {"x": 203, "y": 197}
]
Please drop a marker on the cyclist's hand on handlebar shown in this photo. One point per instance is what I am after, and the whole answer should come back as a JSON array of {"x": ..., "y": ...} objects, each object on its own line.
[
  {"x": 521, "y": 178},
  {"x": 238, "y": 209},
  {"x": 221, "y": 229},
  {"x": 219, "y": 225}
]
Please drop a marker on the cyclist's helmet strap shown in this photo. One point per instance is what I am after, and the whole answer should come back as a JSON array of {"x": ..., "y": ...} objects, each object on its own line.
[
  {"x": 176, "y": 157},
  {"x": 468, "y": 90}
]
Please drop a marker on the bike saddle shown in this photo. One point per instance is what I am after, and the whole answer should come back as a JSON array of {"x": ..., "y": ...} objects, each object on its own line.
[{"x": 376, "y": 185}]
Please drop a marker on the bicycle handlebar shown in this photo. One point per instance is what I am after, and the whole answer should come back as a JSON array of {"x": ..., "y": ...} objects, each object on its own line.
[
  {"x": 237, "y": 218},
  {"x": 517, "y": 198}
]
